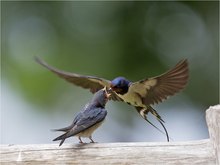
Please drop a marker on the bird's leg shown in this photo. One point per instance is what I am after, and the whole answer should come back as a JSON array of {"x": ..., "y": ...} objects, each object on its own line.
[
  {"x": 80, "y": 140},
  {"x": 92, "y": 141}
]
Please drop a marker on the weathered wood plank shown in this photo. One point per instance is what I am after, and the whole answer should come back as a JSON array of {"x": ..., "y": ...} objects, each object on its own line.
[
  {"x": 201, "y": 152},
  {"x": 213, "y": 122},
  {"x": 198, "y": 152}
]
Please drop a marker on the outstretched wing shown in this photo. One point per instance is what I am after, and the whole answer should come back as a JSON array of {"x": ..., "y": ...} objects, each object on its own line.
[
  {"x": 156, "y": 89},
  {"x": 87, "y": 82}
]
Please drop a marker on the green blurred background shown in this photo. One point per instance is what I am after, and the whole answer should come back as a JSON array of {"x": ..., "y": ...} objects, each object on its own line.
[{"x": 106, "y": 39}]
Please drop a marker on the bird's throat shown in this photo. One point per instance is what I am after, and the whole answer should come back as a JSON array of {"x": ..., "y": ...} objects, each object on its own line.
[{"x": 121, "y": 91}]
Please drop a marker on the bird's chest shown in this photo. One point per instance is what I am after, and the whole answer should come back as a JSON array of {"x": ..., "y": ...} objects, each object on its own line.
[{"x": 132, "y": 99}]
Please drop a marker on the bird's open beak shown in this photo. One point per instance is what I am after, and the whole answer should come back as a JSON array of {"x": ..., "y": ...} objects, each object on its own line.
[
  {"x": 107, "y": 92},
  {"x": 108, "y": 95},
  {"x": 110, "y": 90}
]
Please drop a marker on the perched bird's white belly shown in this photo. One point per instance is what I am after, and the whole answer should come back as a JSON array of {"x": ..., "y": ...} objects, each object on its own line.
[{"x": 88, "y": 132}]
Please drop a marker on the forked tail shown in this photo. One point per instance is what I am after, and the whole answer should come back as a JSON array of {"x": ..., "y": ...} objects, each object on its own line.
[{"x": 143, "y": 112}]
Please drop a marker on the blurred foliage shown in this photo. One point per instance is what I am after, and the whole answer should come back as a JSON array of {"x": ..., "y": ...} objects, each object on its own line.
[{"x": 108, "y": 39}]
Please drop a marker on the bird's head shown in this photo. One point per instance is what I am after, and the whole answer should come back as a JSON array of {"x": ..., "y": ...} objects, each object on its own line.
[
  {"x": 120, "y": 85},
  {"x": 101, "y": 97}
]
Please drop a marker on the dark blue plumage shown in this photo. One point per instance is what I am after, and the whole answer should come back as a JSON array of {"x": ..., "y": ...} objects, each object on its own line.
[
  {"x": 120, "y": 85},
  {"x": 88, "y": 119}
]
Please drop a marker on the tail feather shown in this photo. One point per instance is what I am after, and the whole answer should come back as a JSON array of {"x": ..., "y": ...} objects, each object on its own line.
[
  {"x": 144, "y": 112},
  {"x": 167, "y": 135},
  {"x": 154, "y": 112},
  {"x": 64, "y": 136},
  {"x": 158, "y": 128},
  {"x": 61, "y": 137},
  {"x": 65, "y": 129},
  {"x": 62, "y": 141},
  {"x": 161, "y": 121}
]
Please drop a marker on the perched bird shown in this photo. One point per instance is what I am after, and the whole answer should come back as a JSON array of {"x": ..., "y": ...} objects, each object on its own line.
[
  {"x": 88, "y": 119},
  {"x": 140, "y": 94}
]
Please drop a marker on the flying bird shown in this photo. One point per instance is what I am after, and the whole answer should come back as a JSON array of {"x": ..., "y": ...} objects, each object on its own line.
[
  {"x": 140, "y": 94},
  {"x": 88, "y": 119}
]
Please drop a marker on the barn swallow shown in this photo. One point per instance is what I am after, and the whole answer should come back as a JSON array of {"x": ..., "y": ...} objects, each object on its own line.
[
  {"x": 88, "y": 119},
  {"x": 140, "y": 94}
]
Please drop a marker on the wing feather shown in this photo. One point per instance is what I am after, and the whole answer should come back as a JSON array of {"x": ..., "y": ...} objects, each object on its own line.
[
  {"x": 156, "y": 89},
  {"x": 88, "y": 82},
  {"x": 88, "y": 120}
]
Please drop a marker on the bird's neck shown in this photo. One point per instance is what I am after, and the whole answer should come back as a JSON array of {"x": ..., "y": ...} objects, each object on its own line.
[
  {"x": 97, "y": 105},
  {"x": 123, "y": 90}
]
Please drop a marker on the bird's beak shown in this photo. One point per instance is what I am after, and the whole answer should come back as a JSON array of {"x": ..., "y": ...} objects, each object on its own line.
[
  {"x": 107, "y": 92},
  {"x": 110, "y": 90},
  {"x": 108, "y": 95}
]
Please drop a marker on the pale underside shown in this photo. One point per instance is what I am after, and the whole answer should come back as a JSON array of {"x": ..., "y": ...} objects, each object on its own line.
[
  {"x": 136, "y": 92},
  {"x": 88, "y": 132}
]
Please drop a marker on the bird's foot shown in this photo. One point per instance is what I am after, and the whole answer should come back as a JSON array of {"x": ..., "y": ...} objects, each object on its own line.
[
  {"x": 92, "y": 141},
  {"x": 80, "y": 140}
]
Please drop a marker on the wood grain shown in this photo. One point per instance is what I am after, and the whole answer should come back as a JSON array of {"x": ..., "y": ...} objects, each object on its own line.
[
  {"x": 213, "y": 122},
  {"x": 201, "y": 152}
]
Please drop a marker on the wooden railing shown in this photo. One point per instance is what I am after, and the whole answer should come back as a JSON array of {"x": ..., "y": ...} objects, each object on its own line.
[{"x": 201, "y": 152}]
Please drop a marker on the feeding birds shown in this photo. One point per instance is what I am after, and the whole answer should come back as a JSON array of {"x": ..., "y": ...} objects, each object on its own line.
[
  {"x": 140, "y": 94},
  {"x": 88, "y": 119}
]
